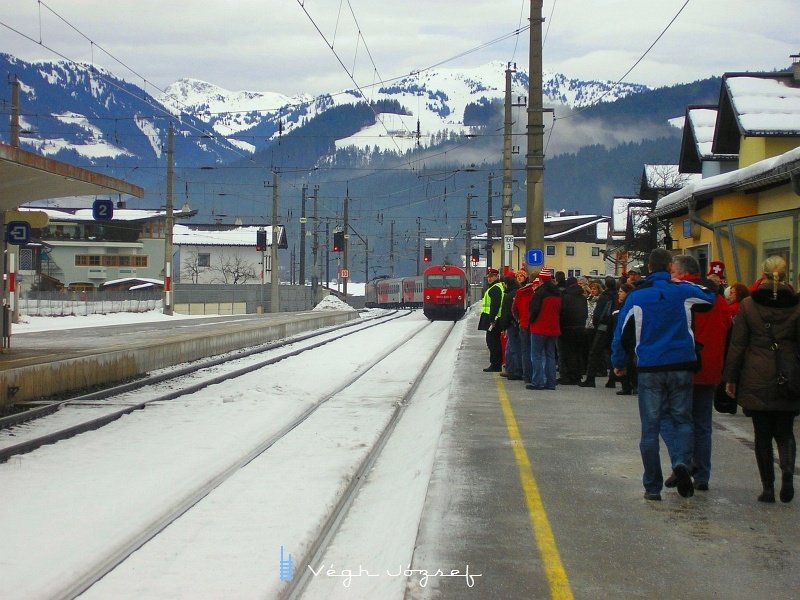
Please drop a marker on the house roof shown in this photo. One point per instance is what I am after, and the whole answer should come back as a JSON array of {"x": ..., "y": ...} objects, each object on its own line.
[
  {"x": 756, "y": 105},
  {"x": 184, "y": 235},
  {"x": 87, "y": 214},
  {"x": 698, "y": 138},
  {"x": 764, "y": 173}
]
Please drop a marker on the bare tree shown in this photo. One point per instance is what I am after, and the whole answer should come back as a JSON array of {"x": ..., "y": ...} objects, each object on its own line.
[
  {"x": 643, "y": 231},
  {"x": 234, "y": 269},
  {"x": 190, "y": 265}
]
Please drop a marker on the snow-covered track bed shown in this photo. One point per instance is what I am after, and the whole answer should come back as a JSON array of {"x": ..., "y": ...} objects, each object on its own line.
[
  {"x": 55, "y": 421},
  {"x": 211, "y": 467}
]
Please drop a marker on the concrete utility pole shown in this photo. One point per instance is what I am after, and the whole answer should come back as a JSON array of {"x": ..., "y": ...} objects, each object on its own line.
[
  {"x": 302, "y": 280},
  {"x": 15, "y": 112},
  {"x": 346, "y": 244},
  {"x": 168, "y": 309},
  {"x": 315, "y": 252},
  {"x": 391, "y": 249},
  {"x": 274, "y": 296},
  {"x": 507, "y": 234},
  {"x": 468, "y": 240},
  {"x": 534, "y": 158},
  {"x": 489, "y": 224}
]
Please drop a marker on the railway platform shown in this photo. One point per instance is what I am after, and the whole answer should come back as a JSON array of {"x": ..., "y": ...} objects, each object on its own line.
[
  {"x": 540, "y": 494},
  {"x": 55, "y": 362}
]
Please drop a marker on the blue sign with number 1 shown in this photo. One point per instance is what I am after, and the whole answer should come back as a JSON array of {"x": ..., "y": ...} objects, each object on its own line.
[{"x": 534, "y": 257}]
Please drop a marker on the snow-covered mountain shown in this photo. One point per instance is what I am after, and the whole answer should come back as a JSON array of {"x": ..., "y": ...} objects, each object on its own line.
[
  {"x": 83, "y": 114},
  {"x": 410, "y": 109}
]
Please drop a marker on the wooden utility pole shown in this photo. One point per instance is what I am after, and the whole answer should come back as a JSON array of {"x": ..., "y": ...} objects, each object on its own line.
[{"x": 534, "y": 158}]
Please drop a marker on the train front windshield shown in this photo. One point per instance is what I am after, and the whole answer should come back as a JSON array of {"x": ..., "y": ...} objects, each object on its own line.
[{"x": 444, "y": 281}]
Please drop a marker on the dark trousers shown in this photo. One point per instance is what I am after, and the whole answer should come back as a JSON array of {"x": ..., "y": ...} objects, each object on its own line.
[
  {"x": 495, "y": 350},
  {"x": 597, "y": 353},
  {"x": 777, "y": 425},
  {"x": 571, "y": 353}
]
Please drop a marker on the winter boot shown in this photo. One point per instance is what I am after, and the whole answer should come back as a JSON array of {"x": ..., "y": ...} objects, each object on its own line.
[
  {"x": 765, "y": 461},
  {"x": 786, "y": 457},
  {"x": 587, "y": 382}
]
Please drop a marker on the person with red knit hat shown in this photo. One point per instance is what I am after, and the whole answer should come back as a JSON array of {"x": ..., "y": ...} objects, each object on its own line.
[{"x": 716, "y": 273}]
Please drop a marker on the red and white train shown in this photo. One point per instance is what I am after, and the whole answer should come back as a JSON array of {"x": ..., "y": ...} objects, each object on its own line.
[{"x": 441, "y": 292}]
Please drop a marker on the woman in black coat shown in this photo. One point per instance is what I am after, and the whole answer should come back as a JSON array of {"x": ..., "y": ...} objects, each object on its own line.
[{"x": 751, "y": 374}]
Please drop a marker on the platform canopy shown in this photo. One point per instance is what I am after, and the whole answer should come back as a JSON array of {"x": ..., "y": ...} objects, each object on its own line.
[{"x": 25, "y": 177}]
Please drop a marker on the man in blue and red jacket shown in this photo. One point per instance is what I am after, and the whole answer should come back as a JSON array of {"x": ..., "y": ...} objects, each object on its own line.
[
  {"x": 655, "y": 324},
  {"x": 710, "y": 332}
]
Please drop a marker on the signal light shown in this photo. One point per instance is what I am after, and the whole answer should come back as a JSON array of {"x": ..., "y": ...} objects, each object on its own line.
[
  {"x": 338, "y": 241},
  {"x": 476, "y": 255},
  {"x": 261, "y": 240},
  {"x": 427, "y": 254}
]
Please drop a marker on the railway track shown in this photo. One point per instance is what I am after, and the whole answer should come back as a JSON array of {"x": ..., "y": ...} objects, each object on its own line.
[
  {"x": 400, "y": 354},
  {"x": 116, "y": 401}
]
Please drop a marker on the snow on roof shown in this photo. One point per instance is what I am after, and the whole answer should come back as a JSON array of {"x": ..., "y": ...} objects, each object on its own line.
[
  {"x": 183, "y": 235},
  {"x": 752, "y": 174},
  {"x": 87, "y": 214},
  {"x": 703, "y": 122},
  {"x": 127, "y": 279},
  {"x": 594, "y": 223},
  {"x": 620, "y": 207},
  {"x": 765, "y": 105}
]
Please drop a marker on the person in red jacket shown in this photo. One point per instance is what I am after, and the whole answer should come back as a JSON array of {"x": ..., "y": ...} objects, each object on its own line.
[
  {"x": 544, "y": 314},
  {"x": 519, "y": 310},
  {"x": 710, "y": 331}
]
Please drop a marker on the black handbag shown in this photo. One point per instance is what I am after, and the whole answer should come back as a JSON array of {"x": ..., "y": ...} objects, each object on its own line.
[{"x": 724, "y": 403}]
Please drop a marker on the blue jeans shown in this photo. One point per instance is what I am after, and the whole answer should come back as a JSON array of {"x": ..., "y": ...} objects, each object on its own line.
[
  {"x": 525, "y": 354},
  {"x": 543, "y": 361},
  {"x": 513, "y": 364},
  {"x": 664, "y": 395},
  {"x": 702, "y": 411}
]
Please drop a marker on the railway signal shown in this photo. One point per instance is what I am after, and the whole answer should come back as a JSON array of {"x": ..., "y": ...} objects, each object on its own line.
[
  {"x": 338, "y": 241},
  {"x": 476, "y": 255},
  {"x": 428, "y": 254},
  {"x": 261, "y": 240}
]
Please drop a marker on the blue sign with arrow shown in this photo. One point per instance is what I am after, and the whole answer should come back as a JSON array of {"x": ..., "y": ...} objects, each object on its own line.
[{"x": 18, "y": 233}]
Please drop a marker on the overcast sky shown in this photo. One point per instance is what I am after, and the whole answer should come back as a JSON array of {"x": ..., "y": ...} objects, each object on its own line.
[{"x": 273, "y": 45}]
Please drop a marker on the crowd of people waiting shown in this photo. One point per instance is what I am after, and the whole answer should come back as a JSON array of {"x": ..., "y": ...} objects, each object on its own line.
[{"x": 675, "y": 338}]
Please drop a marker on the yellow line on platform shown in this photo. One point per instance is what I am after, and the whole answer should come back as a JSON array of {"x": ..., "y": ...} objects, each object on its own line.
[{"x": 542, "y": 532}]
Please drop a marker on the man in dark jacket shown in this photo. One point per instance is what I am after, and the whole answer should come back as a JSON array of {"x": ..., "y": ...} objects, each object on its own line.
[
  {"x": 491, "y": 310},
  {"x": 657, "y": 315},
  {"x": 574, "y": 312}
]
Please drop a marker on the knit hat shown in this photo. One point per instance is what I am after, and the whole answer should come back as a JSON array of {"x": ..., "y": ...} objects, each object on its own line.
[
  {"x": 571, "y": 281},
  {"x": 546, "y": 274}
]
